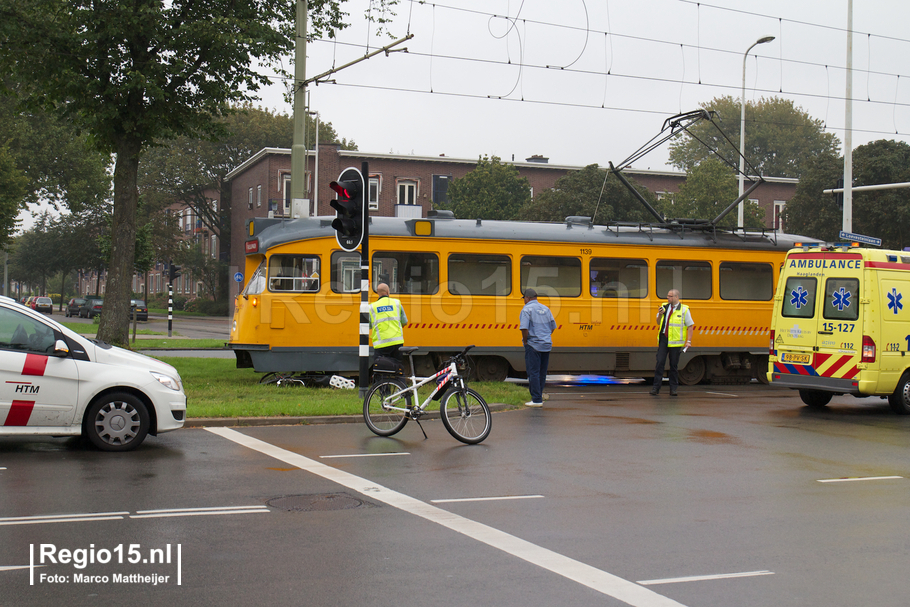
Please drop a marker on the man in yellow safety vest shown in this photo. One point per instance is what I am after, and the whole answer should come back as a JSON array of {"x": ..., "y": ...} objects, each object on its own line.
[
  {"x": 675, "y": 336},
  {"x": 387, "y": 318}
]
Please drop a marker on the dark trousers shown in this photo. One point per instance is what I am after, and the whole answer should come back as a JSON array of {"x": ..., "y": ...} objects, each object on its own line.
[
  {"x": 663, "y": 351},
  {"x": 390, "y": 351},
  {"x": 536, "y": 364}
]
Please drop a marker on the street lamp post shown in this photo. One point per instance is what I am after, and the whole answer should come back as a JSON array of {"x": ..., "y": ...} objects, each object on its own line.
[{"x": 742, "y": 132}]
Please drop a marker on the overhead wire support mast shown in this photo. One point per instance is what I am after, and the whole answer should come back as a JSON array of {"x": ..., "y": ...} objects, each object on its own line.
[{"x": 386, "y": 49}]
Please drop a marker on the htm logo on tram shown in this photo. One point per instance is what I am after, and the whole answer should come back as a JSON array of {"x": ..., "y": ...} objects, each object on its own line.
[{"x": 27, "y": 388}]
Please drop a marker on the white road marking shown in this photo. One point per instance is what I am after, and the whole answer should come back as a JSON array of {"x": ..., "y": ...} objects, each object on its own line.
[
  {"x": 601, "y": 581},
  {"x": 174, "y": 512},
  {"x": 363, "y": 455},
  {"x": 62, "y": 518},
  {"x": 858, "y": 478},
  {"x": 485, "y": 499},
  {"x": 723, "y": 394},
  {"x": 701, "y": 578}
]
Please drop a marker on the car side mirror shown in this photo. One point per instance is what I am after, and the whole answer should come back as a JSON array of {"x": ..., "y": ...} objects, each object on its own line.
[{"x": 60, "y": 348}]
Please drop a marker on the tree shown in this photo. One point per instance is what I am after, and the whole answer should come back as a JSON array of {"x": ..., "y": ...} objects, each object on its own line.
[
  {"x": 883, "y": 214},
  {"x": 199, "y": 264},
  {"x": 585, "y": 193},
  {"x": 190, "y": 171},
  {"x": 493, "y": 190},
  {"x": 709, "y": 188},
  {"x": 780, "y": 138},
  {"x": 13, "y": 188},
  {"x": 133, "y": 74}
]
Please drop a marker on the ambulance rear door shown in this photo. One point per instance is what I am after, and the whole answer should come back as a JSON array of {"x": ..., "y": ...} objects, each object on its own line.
[
  {"x": 818, "y": 337},
  {"x": 839, "y": 347}
]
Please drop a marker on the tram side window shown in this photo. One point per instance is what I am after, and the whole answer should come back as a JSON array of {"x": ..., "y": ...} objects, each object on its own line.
[
  {"x": 691, "y": 278},
  {"x": 746, "y": 281},
  {"x": 841, "y": 299},
  {"x": 256, "y": 285},
  {"x": 480, "y": 274},
  {"x": 345, "y": 272},
  {"x": 294, "y": 273},
  {"x": 799, "y": 297},
  {"x": 406, "y": 273},
  {"x": 619, "y": 278},
  {"x": 551, "y": 276}
]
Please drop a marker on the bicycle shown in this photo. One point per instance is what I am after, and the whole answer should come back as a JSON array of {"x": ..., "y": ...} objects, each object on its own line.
[{"x": 387, "y": 406}]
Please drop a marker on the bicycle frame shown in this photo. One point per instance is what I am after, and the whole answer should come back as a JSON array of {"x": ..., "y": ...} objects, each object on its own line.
[{"x": 448, "y": 373}]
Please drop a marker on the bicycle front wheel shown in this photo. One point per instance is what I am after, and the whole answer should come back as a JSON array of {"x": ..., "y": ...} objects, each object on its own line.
[
  {"x": 378, "y": 412},
  {"x": 466, "y": 415}
]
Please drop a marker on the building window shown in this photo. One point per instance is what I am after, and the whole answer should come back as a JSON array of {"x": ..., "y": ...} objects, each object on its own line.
[
  {"x": 251, "y": 198},
  {"x": 258, "y": 196},
  {"x": 214, "y": 246},
  {"x": 441, "y": 189},
  {"x": 778, "y": 215},
  {"x": 286, "y": 193},
  {"x": 407, "y": 192},
  {"x": 373, "y": 192}
]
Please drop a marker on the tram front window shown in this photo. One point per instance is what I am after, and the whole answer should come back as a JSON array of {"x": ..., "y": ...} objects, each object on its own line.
[
  {"x": 294, "y": 273},
  {"x": 257, "y": 281}
]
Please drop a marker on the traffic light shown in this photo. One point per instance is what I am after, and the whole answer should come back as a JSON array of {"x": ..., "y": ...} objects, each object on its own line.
[
  {"x": 350, "y": 209},
  {"x": 174, "y": 272}
]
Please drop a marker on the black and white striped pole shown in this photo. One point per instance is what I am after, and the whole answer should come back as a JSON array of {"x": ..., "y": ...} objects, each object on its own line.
[{"x": 365, "y": 292}]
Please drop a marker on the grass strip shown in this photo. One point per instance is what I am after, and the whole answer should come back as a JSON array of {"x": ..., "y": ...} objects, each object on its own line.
[{"x": 215, "y": 387}]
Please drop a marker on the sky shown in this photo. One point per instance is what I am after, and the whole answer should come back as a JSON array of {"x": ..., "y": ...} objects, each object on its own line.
[{"x": 583, "y": 82}]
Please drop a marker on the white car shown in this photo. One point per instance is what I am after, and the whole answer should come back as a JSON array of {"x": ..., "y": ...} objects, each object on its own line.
[{"x": 57, "y": 383}]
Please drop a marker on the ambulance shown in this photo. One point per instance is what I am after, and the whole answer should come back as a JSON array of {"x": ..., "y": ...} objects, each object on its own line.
[
  {"x": 55, "y": 382},
  {"x": 841, "y": 324}
]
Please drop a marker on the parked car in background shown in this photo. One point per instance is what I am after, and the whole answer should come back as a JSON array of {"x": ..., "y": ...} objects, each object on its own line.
[
  {"x": 44, "y": 304},
  {"x": 30, "y": 302},
  {"x": 91, "y": 308},
  {"x": 142, "y": 310},
  {"x": 73, "y": 305}
]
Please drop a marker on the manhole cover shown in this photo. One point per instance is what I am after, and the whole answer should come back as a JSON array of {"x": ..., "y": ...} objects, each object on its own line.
[{"x": 315, "y": 502}]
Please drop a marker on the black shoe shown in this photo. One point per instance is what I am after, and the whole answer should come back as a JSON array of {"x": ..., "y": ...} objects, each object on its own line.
[
  {"x": 672, "y": 392},
  {"x": 653, "y": 392}
]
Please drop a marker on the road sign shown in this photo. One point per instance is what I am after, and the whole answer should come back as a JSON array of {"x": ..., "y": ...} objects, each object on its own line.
[
  {"x": 875, "y": 242},
  {"x": 238, "y": 276}
]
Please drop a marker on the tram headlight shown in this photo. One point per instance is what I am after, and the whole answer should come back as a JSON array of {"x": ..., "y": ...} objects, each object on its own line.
[{"x": 254, "y": 301}]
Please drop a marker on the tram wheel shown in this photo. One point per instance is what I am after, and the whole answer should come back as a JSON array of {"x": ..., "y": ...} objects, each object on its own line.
[
  {"x": 491, "y": 368},
  {"x": 693, "y": 373}
]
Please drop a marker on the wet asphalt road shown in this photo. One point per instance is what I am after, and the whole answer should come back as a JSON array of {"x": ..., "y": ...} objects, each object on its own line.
[{"x": 606, "y": 496}]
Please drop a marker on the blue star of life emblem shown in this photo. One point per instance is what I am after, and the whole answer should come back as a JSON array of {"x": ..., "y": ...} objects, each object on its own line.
[
  {"x": 841, "y": 299},
  {"x": 894, "y": 301},
  {"x": 800, "y": 297}
]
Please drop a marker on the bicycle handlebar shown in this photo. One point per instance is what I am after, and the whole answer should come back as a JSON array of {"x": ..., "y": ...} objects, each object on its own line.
[{"x": 460, "y": 356}]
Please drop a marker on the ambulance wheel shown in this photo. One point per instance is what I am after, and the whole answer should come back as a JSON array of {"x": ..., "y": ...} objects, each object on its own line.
[
  {"x": 900, "y": 400},
  {"x": 117, "y": 422},
  {"x": 815, "y": 399}
]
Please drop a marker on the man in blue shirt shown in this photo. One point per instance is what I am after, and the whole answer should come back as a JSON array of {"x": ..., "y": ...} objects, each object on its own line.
[{"x": 537, "y": 324}]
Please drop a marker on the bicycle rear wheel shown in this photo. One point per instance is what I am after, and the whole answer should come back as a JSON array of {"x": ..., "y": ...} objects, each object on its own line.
[
  {"x": 466, "y": 415},
  {"x": 381, "y": 419}
]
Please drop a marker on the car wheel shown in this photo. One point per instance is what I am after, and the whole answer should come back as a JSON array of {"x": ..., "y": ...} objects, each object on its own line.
[
  {"x": 900, "y": 400},
  {"x": 815, "y": 399},
  {"x": 117, "y": 422}
]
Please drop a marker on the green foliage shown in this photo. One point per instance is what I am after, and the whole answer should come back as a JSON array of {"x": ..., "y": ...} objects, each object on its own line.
[
  {"x": 883, "y": 214},
  {"x": 493, "y": 190},
  {"x": 709, "y": 188},
  {"x": 13, "y": 188},
  {"x": 133, "y": 74},
  {"x": 780, "y": 138},
  {"x": 585, "y": 193}
]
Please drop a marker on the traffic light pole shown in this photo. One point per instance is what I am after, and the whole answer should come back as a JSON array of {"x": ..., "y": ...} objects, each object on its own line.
[
  {"x": 170, "y": 306},
  {"x": 365, "y": 287}
]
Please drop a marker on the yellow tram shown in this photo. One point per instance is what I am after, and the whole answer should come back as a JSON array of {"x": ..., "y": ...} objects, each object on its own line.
[{"x": 461, "y": 281}]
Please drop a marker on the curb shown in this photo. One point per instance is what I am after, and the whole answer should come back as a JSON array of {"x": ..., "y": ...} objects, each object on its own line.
[{"x": 222, "y": 422}]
